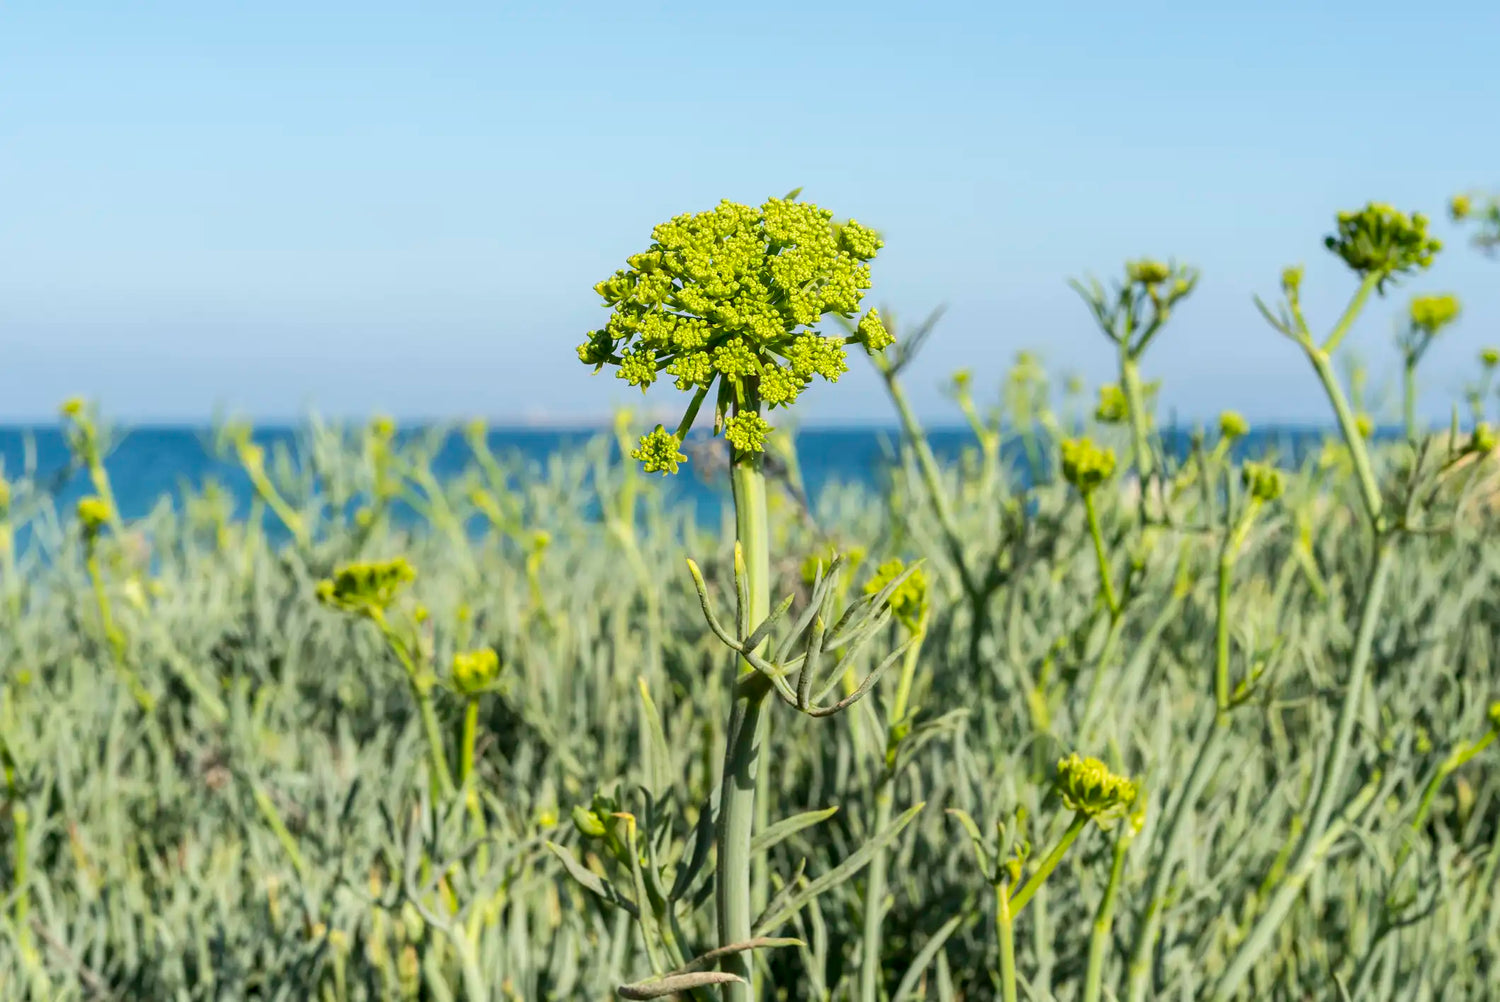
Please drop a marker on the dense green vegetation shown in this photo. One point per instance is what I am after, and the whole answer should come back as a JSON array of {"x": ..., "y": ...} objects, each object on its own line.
[{"x": 1141, "y": 729}]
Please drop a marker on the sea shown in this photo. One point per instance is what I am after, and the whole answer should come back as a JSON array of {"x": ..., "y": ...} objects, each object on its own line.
[{"x": 151, "y": 465}]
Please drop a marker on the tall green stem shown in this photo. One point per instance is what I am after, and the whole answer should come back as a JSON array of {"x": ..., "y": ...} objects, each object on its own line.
[
  {"x": 747, "y": 730},
  {"x": 1135, "y": 397},
  {"x": 1006, "y": 929},
  {"x": 1111, "y": 600},
  {"x": 1104, "y": 919},
  {"x": 1409, "y": 397}
]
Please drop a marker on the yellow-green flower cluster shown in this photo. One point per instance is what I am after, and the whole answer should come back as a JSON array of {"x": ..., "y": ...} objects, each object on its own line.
[
  {"x": 658, "y": 452},
  {"x": 475, "y": 671},
  {"x": 1147, "y": 272},
  {"x": 1264, "y": 482},
  {"x": 366, "y": 588},
  {"x": 1088, "y": 787},
  {"x": 909, "y": 599},
  {"x": 1086, "y": 465},
  {"x": 1430, "y": 314},
  {"x": 1232, "y": 425},
  {"x": 1459, "y": 207},
  {"x": 1483, "y": 439},
  {"x": 1382, "y": 241},
  {"x": 1151, "y": 275},
  {"x": 1489, "y": 357},
  {"x": 732, "y": 297},
  {"x": 93, "y": 514},
  {"x": 1113, "y": 407},
  {"x": 747, "y": 431}
]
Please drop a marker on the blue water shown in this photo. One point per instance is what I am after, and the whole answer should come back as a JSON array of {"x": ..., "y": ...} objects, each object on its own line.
[{"x": 150, "y": 464}]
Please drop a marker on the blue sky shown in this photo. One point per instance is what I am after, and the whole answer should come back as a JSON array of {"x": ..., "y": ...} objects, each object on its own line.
[{"x": 404, "y": 207}]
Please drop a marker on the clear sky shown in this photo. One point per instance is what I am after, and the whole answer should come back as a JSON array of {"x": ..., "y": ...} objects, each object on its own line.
[{"x": 404, "y": 207}]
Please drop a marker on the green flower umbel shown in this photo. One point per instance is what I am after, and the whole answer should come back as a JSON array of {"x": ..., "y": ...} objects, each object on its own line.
[
  {"x": 658, "y": 452},
  {"x": 1382, "y": 242},
  {"x": 728, "y": 301},
  {"x": 1430, "y": 314},
  {"x": 1086, "y": 465},
  {"x": 365, "y": 588},
  {"x": 1088, "y": 787}
]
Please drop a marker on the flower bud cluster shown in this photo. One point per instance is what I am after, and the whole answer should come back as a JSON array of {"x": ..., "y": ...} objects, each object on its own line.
[
  {"x": 475, "y": 671},
  {"x": 1090, "y": 788},
  {"x": 365, "y": 588},
  {"x": 1232, "y": 425},
  {"x": 94, "y": 514},
  {"x": 1264, "y": 482},
  {"x": 1430, "y": 314},
  {"x": 1086, "y": 465},
  {"x": 1383, "y": 242},
  {"x": 1113, "y": 407}
]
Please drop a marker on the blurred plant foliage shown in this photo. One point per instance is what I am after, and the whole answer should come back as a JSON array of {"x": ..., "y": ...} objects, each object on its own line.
[{"x": 1134, "y": 725}]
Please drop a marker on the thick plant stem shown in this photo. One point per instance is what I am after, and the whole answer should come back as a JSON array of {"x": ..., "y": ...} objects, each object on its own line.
[
  {"x": 1006, "y": 929},
  {"x": 1104, "y": 919},
  {"x": 1312, "y": 846},
  {"x": 746, "y": 734}
]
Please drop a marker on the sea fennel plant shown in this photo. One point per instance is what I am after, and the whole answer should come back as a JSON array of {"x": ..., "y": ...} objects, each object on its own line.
[
  {"x": 1381, "y": 245},
  {"x": 727, "y": 303}
]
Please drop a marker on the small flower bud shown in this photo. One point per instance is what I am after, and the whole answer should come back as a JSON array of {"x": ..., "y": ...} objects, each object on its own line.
[
  {"x": 1147, "y": 272},
  {"x": 1489, "y": 357},
  {"x": 1364, "y": 426},
  {"x": 94, "y": 514},
  {"x": 365, "y": 588},
  {"x": 658, "y": 452},
  {"x": 747, "y": 431},
  {"x": 1459, "y": 207},
  {"x": 1291, "y": 281},
  {"x": 1483, "y": 438},
  {"x": 1265, "y": 483},
  {"x": 475, "y": 671},
  {"x": 1113, "y": 407},
  {"x": 1086, "y": 465},
  {"x": 1430, "y": 314},
  {"x": 1087, "y": 786},
  {"x": 872, "y": 333},
  {"x": 1232, "y": 425}
]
